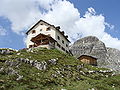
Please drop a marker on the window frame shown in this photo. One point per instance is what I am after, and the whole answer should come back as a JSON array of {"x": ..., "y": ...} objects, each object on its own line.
[
  {"x": 33, "y": 31},
  {"x": 48, "y": 29},
  {"x": 58, "y": 45},
  {"x": 63, "y": 48},
  {"x": 58, "y": 37},
  {"x": 40, "y": 29},
  {"x": 63, "y": 41},
  {"x": 66, "y": 45}
]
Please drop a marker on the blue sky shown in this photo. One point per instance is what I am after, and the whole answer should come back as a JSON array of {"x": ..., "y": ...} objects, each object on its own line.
[
  {"x": 16, "y": 17},
  {"x": 109, "y": 8}
]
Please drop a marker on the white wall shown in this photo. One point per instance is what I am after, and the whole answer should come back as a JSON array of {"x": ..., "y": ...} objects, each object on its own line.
[
  {"x": 37, "y": 29},
  {"x": 53, "y": 33},
  {"x": 60, "y": 41}
]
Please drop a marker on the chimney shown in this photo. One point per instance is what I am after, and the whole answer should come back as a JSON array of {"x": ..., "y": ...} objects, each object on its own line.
[
  {"x": 58, "y": 27},
  {"x": 66, "y": 36},
  {"x": 62, "y": 32}
]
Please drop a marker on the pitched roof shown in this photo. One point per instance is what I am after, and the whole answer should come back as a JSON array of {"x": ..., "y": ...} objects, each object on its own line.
[
  {"x": 88, "y": 56},
  {"x": 56, "y": 28}
]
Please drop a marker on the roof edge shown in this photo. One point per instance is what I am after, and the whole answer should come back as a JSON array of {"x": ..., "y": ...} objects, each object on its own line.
[
  {"x": 48, "y": 24},
  {"x": 88, "y": 56}
]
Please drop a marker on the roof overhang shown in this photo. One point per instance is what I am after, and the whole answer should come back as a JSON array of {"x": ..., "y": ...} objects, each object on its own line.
[
  {"x": 42, "y": 36},
  {"x": 88, "y": 56},
  {"x": 56, "y": 28}
]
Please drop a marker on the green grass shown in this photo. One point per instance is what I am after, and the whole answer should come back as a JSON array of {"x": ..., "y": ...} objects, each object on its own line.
[{"x": 63, "y": 75}]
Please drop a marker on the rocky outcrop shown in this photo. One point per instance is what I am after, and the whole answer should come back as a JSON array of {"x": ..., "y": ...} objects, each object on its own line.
[
  {"x": 39, "y": 65},
  {"x": 6, "y": 51},
  {"x": 91, "y": 45},
  {"x": 113, "y": 59}
]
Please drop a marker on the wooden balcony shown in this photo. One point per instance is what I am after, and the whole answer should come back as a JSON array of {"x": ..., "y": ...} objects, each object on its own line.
[{"x": 42, "y": 40}]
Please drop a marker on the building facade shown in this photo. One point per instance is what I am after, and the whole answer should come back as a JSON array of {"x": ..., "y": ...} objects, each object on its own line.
[
  {"x": 43, "y": 34},
  {"x": 88, "y": 60}
]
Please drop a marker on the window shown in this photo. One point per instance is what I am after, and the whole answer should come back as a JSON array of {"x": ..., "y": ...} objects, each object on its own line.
[
  {"x": 67, "y": 51},
  {"x": 62, "y": 41},
  {"x": 30, "y": 46},
  {"x": 66, "y": 45},
  {"x": 63, "y": 49},
  {"x": 40, "y": 29},
  {"x": 33, "y": 31},
  {"x": 48, "y": 29},
  {"x": 58, "y": 45},
  {"x": 41, "y": 24},
  {"x": 58, "y": 37}
]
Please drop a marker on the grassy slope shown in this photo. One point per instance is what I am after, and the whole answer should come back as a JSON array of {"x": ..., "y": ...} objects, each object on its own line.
[{"x": 62, "y": 75}]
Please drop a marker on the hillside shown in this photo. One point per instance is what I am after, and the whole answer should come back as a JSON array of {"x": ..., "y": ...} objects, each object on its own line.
[
  {"x": 43, "y": 69},
  {"x": 91, "y": 45}
]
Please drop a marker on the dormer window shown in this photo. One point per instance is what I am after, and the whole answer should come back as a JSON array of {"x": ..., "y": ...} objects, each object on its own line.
[
  {"x": 33, "y": 31},
  {"x": 48, "y": 29}
]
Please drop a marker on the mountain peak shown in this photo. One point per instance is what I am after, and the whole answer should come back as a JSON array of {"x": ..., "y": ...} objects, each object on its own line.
[
  {"x": 91, "y": 45},
  {"x": 88, "y": 39}
]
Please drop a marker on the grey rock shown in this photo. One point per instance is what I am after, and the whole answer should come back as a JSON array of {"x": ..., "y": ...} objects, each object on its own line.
[
  {"x": 10, "y": 71},
  {"x": 79, "y": 67},
  {"x": 19, "y": 77},
  {"x": 12, "y": 63},
  {"x": 39, "y": 65},
  {"x": 91, "y": 45},
  {"x": 6, "y": 51},
  {"x": 31, "y": 62},
  {"x": 18, "y": 53},
  {"x": 1, "y": 69},
  {"x": 113, "y": 60},
  {"x": 53, "y": 61}
]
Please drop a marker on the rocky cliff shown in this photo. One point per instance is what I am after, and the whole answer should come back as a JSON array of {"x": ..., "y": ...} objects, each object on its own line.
[{"x": 91, "y": 45}]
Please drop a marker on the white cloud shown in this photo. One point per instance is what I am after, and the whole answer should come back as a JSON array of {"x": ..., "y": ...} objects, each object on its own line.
[
  {"x": 92, "y": 24},
  {"x": 21, "y": 13},
  {"x": 110, "y": 41},
  {"x": 91, "y": 11},
  {"x": 75, "y": 26},
  {"x": 111, "y": 27},
  {"x": 24, "y": 13},
  {"x": 2, "y": 31},
  {"x": 64, "y": 14},
  {"x": 46, "y": 4}
]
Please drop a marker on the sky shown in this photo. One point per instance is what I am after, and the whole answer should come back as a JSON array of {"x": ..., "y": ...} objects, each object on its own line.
[{"x": 78, "y": 18}]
